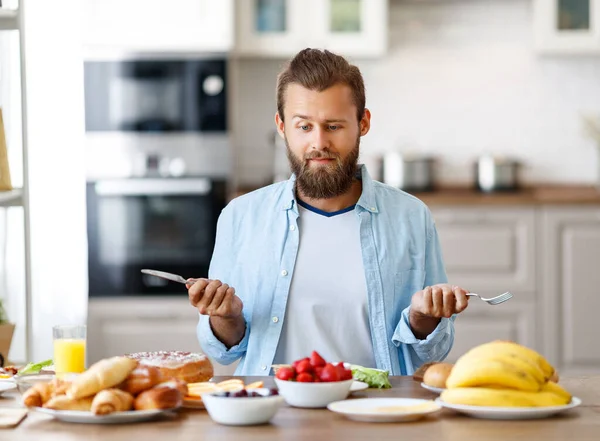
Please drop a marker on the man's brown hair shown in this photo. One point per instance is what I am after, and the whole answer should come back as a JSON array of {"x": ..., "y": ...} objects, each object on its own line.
[{"x": 318, "y": 70}]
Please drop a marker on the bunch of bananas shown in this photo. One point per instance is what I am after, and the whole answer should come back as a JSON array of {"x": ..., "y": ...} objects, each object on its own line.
[{"x": 503, "y": 374}]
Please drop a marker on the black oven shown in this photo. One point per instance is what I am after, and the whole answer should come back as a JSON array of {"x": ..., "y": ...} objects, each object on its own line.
[
  {"x": 163, "y": 224},
  {"x": 156, "y": 95}
]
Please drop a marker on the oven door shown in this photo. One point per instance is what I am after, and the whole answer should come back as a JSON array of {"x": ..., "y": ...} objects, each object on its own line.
[{"x": 163, "y": 224}]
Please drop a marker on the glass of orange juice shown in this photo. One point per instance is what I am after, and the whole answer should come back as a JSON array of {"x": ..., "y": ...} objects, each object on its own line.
[{"x": 69, "y": 348}]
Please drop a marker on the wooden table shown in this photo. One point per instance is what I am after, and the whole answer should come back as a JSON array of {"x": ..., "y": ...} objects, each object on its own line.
[{"x": 580, "y": 424}]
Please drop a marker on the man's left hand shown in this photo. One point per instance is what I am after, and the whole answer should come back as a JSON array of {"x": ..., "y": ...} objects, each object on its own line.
[{"x": 428, "y": 306}]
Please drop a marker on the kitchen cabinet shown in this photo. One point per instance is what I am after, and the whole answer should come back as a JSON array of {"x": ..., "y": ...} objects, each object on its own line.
[
  {"x": 158, "y": 26},
  {"x": 281, "y": 28},
  {"x": 567, "y": 26},
  {"x": 569, "y": 303},
  {"x": 121, "y": 326}
]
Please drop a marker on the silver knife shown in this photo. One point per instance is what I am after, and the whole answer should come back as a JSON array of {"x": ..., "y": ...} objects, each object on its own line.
[{"x": 168, "y": 276}]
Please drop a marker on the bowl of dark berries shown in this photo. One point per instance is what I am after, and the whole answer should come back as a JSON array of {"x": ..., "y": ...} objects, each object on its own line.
[{"x": 243, "y": 407}]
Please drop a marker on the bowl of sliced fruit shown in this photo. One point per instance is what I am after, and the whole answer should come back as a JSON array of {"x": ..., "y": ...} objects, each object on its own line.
[
  {"x": 242, "y": 407},
  {"x": 313, "y": 383}
]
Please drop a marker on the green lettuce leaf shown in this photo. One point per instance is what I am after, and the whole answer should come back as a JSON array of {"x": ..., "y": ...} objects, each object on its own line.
[
  {"x": 34, "y": 368},
  {"x": 373, "y": 377}
]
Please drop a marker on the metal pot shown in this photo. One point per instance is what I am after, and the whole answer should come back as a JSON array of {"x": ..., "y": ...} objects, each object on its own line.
[
  {"x": 496, "y": 174},
  {"x": 410, "y": 173}
]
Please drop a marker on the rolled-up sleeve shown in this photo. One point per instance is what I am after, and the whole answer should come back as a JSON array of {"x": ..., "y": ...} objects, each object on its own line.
[
  {"x": 220, "y": 268},
  {"x": 437, "y": 345}
]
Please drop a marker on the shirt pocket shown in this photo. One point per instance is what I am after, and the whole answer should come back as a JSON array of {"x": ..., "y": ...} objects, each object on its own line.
[{"x": 407, "y": 283}]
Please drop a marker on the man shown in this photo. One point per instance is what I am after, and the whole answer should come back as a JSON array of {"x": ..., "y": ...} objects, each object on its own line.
[{"x": 330, "y": 260}]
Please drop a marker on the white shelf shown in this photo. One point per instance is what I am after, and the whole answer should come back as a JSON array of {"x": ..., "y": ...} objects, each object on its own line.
[
  {"x": 12, "y": 198},
  {"x": 9, "y": 19}
]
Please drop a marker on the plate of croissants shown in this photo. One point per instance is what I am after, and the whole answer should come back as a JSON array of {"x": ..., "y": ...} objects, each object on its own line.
[{"x": 113, "y": 390}]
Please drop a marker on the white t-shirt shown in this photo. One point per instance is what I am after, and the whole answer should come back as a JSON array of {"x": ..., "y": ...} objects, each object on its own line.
[{"x": 327, "y": 304}]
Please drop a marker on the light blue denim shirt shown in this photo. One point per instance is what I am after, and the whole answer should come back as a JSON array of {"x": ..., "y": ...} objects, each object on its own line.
[{"x": 255, "y": 251}]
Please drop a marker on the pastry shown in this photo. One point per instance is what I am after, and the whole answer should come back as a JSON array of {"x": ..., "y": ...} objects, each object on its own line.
[
  {"x": 40, "y": 393},
  {"x": 418, "y": 375},
  {"x": 111, "y": 400},
  {"x": 141, "y": 378},
  {"x": 175, "y": 383},
  {"x": 437, "y": 374},
  {"x": 187, "y": 366},
  {"x": 101, "y": 375},
  {"x": 63, "y": 402},
  {"x": 158, "y": 398}
]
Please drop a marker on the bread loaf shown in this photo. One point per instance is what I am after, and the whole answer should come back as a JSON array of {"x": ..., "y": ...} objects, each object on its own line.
[
  {"x": 420, "y": 372},
  {"x": 175, "y": 383},
  {"x": 187, "y": 366}
]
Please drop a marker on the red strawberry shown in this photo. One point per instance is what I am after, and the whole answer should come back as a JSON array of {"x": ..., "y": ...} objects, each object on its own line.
[
  {"x": 304, "y": 377},
  {"x": 295, "y": 363},
  {"x": 286, "y": 373},
  {"x": 316, "y": 359},
  {"x": 305, "y": 366},
  {"x": 330, "y": 373},
  {"x": 341, "y": 369},
  {"x": 318, "y": 371},
  {"x": 347, "y": 375}
]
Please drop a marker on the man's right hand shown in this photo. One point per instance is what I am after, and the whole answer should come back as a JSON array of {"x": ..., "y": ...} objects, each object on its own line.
[{"x": 214, "y": 298}]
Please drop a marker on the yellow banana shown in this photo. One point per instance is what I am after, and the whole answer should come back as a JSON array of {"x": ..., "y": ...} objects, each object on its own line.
[
  {"x": 556, "y": 389},
  {"x": 498, "y": 346},
  {"x": 482, "y": 372},
  {"x": 510, "y": 357},
  {"x": 481, "y": 396}
]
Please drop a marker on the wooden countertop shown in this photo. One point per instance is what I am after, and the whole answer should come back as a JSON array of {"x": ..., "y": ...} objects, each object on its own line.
[
  {"x": 533, "y": 195},
  {"x": 581, "y": 424}
]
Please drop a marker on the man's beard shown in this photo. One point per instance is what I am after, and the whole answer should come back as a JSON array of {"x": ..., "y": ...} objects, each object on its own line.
[{"x": 324, "y": 181}]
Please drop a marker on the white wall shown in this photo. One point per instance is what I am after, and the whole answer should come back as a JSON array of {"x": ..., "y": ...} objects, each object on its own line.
[
  {"x": 461, "y": 78},
  {"x": 55, "y": 127}
]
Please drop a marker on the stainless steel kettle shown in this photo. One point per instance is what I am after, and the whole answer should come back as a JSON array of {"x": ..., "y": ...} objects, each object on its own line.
[
  {"x": 408, "y": 172},
  {"x": 494, "y": 173}
]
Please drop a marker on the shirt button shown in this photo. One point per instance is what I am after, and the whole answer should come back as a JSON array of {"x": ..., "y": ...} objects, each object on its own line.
[
  {"x": 372, "y": 208},
  {"x": 284, "y": 273},
  {"x": 264, "y": 368},
  {"x": 275, "y": 319},
  {"x": 292, "y": 227}
]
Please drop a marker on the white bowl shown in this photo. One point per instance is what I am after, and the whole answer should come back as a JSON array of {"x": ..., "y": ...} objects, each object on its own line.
[
  {"x": 313, "y": 395},
  {"x": 242, "y": 411}
]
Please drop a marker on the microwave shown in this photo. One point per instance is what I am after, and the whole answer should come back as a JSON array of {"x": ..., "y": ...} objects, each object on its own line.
[{"x": 154, "y": 95}]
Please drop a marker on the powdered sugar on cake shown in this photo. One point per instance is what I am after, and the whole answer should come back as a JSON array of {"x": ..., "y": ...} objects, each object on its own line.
[{"x": 167, "y": 359}]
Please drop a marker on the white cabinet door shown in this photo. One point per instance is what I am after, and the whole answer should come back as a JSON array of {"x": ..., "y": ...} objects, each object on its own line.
[
  {"x": 567, "y": 26},
  {"x": 480, "y": 323},
  {"x": 569, "y": 299},
  {"x": 156, "y": 25},
  {"x": 281, "y": 28},
  {"x": 488, "y": 250},
  {"x": 117, "y": 327}
]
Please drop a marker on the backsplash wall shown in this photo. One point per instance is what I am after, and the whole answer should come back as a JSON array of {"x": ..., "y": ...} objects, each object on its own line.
[{"x": 460, "y": 79}]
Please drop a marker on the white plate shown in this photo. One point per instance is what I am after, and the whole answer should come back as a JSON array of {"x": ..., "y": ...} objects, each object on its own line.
[
  {"x": 358, "y": 386},
  {"x": 373, "y": 409},
  {"x": 77, "y": 416},
  {"x": 5, "y": 386},
  {"x": 437, "y": 390},
  {"x": 509, "y": 413}
]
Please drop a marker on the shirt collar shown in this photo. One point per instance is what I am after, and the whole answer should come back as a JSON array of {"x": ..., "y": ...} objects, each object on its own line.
[{"x": 366, "y": 200}]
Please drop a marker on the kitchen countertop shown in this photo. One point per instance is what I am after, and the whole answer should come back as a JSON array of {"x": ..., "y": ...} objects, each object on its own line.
[
  {"x": 532, "y": 195},
  {"x": 581, "y": 424}
]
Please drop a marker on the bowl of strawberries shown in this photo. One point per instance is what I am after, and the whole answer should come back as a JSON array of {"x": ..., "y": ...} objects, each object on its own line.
[{"x": 313, "y": 382}]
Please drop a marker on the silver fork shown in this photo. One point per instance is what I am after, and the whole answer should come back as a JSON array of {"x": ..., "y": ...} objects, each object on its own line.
[{"x": 494, "y": 300}]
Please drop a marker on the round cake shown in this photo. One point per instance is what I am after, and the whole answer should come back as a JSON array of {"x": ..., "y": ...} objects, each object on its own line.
[{"x": 187, "y": 366}]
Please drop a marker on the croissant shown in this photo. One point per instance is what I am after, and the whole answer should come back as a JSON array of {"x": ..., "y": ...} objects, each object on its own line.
[
  {"x": 63, "y": 402},
  {"x": 175, "y": 383},
  {"x": 158, "y": 398},
  {"x": 141, "y": 378},
  {"x": 40, "y": 393},
  {"x": 101, "y": 375},
  {"x": 111, "y": 400}
]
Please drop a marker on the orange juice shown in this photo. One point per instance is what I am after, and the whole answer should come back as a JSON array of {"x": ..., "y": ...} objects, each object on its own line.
[{"x": 69, "y": 355}]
